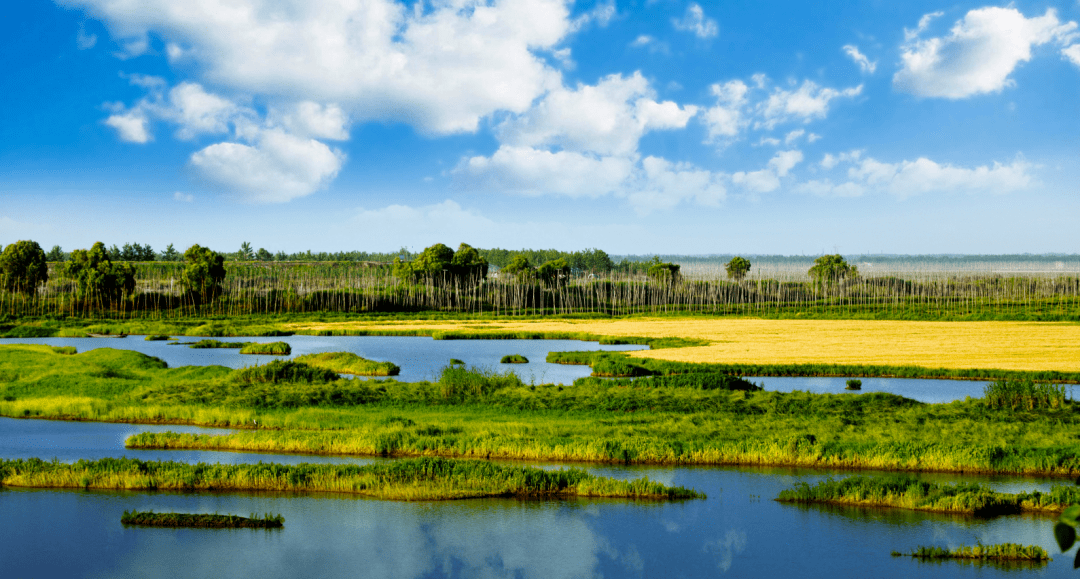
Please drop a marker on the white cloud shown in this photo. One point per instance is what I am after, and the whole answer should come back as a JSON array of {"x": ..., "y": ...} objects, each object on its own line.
[
  {"x": 314, "y": 120},
  {"x": 768, "y": 179},
  {"x": 601, "y": 14},
  {"x": 1072, "y": 53},
  {"x": 979, "y": 53},
  {"x": 529, "y": 171},
  {"x": 860, "y": 59},
  {"x": 695, "y": 21},
  {"x": 275, "y": 168},
  {"x": 183, "y": 197},
  {"x": 197, "y": 111},
  {"x": 918, "y": 177},
  {"x": 440, "y": 70},
  {"x": 642, "y": 40},
  {"x": 740, "y": 106},
  {"x": 805, "y": 103},
  {"x": 608, "y": 118},
  {"x": 793, "y": 136},
  {"x": 661, "y": 184},
  {"x": 131, "y": 126}
]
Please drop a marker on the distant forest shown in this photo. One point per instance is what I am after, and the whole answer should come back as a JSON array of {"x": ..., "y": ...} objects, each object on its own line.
[{"x": 588, "y": 260}]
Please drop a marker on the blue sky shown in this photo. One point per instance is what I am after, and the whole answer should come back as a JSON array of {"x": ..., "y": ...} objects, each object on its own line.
[{"x": 636, "y": 127}]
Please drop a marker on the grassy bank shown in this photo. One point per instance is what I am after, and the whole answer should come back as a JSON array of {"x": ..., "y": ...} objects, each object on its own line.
[
  {"x": 417, "y": 479},
  {"x": 908, "y": 493},
  {"x": 201, "y": 521},
  {"x": 980, "y": 552},
  {"x": 695, "y": 418}
]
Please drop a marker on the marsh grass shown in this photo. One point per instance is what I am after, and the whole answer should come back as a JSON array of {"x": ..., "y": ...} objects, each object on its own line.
[
  {"x": 201, "y": 521},
  {"x": 514, "y": 359},
  {"x": 998, "y": 552},
  {"x": 214, "y": 344},
  {"x": 156, "y": 337},
  {"x": 349, "y": 363},
  {"x": 412, "y": 479},
  {"x": 1023, "y": 394},
  {"x": 904, "y": 492},
  {"x": 283, "y": 371},
  {"x": 269, "y": 349},
  {"x": 853, "y": 384}
]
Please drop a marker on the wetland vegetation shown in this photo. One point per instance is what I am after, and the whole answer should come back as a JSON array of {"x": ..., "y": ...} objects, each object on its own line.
[
  {"x": 980, "y": 552},
  {"x": 201, "y": 521},
  {"x": 412, "y": 479}
]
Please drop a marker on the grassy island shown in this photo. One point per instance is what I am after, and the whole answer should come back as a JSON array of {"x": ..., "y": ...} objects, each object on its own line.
[
  {"x": 411, "y": 479},
  {"x": 201, "y": 521},
  {"x": 904, "y": 492},
  {"x": 980, "y": 552},
  {"x": 514, "y": 359},
  {"x": 349, "y": 363}
]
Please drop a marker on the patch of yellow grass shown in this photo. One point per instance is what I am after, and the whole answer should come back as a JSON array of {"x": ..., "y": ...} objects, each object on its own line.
[{"x": 1004, "y": 345}]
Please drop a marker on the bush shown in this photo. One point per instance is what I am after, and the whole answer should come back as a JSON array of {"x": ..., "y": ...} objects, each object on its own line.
[
  {"x": 853, "y": 384},
  {"x": 514, "y": 359},
  {"x": 156, "y": 338}
]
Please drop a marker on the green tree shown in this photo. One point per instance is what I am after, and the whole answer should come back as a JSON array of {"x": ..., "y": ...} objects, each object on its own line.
[
  {"x": 245, "y": 253},
  {"x": 662, "y": 271},
  {"x": 468, "y": 264},
  {"x": 204, "y": 272},
  {"x": 170, "y": 254},
  {"x": 97, "y": 277},
  {"x": 56, "y": 254},
  {"x": 434, "y": 263},
  {"x": 23, "y": 267},
  {"x": 554, "y": 272},
  {"x": 737, "y": 268},
  {"x": 519, "y": 267},
  {"x": 828, "y": 269},
  {"x": 263, "y": 255}
]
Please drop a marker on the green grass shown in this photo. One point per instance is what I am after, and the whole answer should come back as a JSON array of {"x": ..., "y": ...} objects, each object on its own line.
[
  {"x": 65, "y": 350},
  {"x": 156, "y": 337},
  {"x": 690, "y": 418},
  {"x": 270, "y": 349},
  {"x": 909, "y": 493},
  {"x": 349, "y": 363},
  {"x": 1023, "y": 394},
  {"x": 413, "y": 479},
  {"x": 214, "y": 344},
  {"x": 980, "y": 552},
  {"x": 201, "y": 521},
  {"x": 514, "y": 359}
]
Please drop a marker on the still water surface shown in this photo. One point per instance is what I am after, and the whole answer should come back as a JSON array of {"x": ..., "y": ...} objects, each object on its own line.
[{"x": 738, "y": 531}]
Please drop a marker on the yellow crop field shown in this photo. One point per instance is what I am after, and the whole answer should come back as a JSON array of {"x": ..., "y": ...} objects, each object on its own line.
[{"x": 1004, "y": 345}]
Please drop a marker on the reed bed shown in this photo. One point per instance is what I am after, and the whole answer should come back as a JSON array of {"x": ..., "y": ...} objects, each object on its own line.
[
  {"x": 980, "y": 552},
  {"x": 349, "y": 363},
  {"x": 267, "y": 349},
  {"x": 283, "y": 287},
  {"x": 414, "y": 479},
  {"x": 903, "y": 492},
  {"x": 1023, "y": 394},
  {"x": 201, "y": 521}
]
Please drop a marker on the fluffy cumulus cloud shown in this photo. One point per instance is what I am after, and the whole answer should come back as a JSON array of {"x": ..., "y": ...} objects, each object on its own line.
[
  {"x": 1072, "y": 53},
  {"x": 978, "y": 54},
  {"x": 534, "y": 172},
  {"x": 440, "y": 67},
  {"x": 275, "y": 167},
  {"x": 696, "y": 22},
  {"x": 741, "y": 106},
  {"x": 866, "y": 175},
  {"x": 768, "y": 179}
]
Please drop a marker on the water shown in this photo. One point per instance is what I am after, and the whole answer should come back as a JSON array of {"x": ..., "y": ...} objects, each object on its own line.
[
  {"x": 420, "y": 358},
  {"x": 739, "y": 530},
  {"x": 923, "y": 390}
]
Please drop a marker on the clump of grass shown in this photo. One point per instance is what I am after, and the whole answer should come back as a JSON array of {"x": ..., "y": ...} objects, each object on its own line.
[
  {"x": 211, "y": 344},
  {"x": 1023, "y": 394},
  {"x": 156, "y": 338},
  {"x": 909, "y": 493},
  {"x": 270, "y": 349},
  {"x": 460, "y": 384},
  {"x": 998, "y": 552},
  {"x": 202, "y": 521},
  {"x": 65, "y": 350},
  {"x": 280, "y": 371},
  {"x": 514, "y": 359},
  {"x": 617, "y": 368},
  {"x": 853, "y": 384},
  {"x": 456, "y": 362},
  {"x": 410, "y": 479},
  {"x": 349, "y": 363}
]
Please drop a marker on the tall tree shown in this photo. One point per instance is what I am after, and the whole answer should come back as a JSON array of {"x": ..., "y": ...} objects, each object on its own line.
[
  {"x": 97, "y": 277},
  {"x": 23, "y": 267},
  {"x": 737, "y": 268},
  {"x": 204, "y": 272}
]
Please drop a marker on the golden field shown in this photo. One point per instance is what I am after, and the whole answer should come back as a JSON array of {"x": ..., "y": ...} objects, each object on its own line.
[{"x": 1003, "y": 345}]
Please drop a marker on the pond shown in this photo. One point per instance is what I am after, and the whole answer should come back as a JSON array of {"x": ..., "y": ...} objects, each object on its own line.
[
  {"x": 420, "y": 358},
  {"x": 739, "y": 530}
]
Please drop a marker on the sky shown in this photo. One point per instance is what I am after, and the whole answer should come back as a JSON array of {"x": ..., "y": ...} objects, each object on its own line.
[{"x": 656, "y": 126}]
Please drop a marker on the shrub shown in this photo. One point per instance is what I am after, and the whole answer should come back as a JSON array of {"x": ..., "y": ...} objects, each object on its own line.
[
  {"x": 280, "y": 371},
  {"x": 514, "y": 359},
  {"x": 853, "y": 384}
]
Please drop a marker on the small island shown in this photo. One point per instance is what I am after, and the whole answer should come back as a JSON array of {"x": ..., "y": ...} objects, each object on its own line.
[{"x": 201, "y": 521}]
